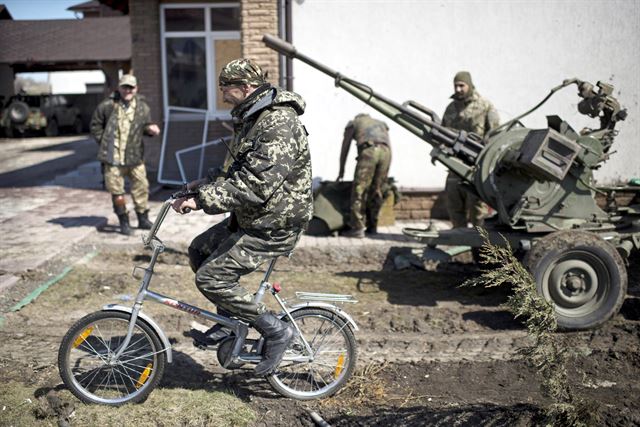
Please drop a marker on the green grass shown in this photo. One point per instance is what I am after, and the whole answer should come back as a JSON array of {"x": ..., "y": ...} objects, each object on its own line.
[{"x": 164, "y": 407}]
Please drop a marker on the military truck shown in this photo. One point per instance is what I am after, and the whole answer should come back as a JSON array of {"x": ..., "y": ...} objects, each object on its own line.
[
  {"x": 39, "y": 113},
  {"x": 540, "y": 183}
]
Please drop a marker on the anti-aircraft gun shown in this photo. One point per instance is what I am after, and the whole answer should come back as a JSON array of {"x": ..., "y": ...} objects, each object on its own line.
[{"x": 540, "y": 183}]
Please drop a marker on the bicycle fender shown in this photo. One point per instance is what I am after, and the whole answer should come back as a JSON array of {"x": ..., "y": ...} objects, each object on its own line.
[
  {"x": 336, "y": 310},
  {"x": 150, "y": 321}
]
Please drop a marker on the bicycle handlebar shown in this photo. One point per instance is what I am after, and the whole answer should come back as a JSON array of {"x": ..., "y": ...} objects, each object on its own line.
[
  {"x": 183, "y": 194},
  {"x": 148, "y": 238}
]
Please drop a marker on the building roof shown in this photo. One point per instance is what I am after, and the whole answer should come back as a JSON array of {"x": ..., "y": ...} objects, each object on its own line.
[
  {"x": 95, "y": 9},
  {"x": 121, "y": 5},
  {"x": 91, "y": 6},
  {"x": 4, "y": 12},
  {"x": 65, "y": 40}
]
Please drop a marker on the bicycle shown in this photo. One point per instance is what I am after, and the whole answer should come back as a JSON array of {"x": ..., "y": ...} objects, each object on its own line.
[{"x": 119, "y": 354}]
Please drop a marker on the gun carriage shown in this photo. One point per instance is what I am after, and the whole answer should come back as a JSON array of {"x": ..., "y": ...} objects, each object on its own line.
[{"x": 540, "y": 183}]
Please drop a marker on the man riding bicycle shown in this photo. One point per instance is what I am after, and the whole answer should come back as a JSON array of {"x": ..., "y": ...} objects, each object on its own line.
[{"x": 267, "y": 190}]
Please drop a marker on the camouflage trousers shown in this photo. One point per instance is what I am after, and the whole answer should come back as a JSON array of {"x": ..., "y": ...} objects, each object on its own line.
[
  {"x": 463, "y": 207},
  {"x": 372, "y": 169},
  {"x": 220, "y": 256},
  {"x": 114, "y": 182}
]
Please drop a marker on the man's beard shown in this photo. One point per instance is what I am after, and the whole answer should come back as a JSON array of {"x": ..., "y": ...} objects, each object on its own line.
[{"x": 462, "y": 96}]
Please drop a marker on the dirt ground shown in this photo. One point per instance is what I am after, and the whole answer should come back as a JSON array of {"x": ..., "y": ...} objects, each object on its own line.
[{"x": 430, "y": 352}]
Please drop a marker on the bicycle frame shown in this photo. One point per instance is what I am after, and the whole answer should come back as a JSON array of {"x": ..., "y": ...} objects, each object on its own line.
[{"x": 239, "y": 327}]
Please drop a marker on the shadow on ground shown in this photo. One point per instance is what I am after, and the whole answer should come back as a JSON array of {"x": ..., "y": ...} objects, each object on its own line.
[
  {"x": 425, "y": 288},
  {"x": 79, "y": 221},
  {"x": 471, "y": 415},
  {"x": 84, "y": 150}
]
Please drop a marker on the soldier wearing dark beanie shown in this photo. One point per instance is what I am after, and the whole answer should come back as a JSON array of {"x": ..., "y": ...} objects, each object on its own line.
[{"x": 472, "y": 113}]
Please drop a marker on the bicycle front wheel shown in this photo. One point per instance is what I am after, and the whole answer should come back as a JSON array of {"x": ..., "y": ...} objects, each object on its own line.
[
  {"x": 89, "y": 369},
  {"x": 334, "y": 352}
]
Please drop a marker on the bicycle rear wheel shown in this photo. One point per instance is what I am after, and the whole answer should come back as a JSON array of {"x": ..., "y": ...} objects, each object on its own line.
[
  {"x": 85, "y": 364},
  {"x": 334, "y": 357}
]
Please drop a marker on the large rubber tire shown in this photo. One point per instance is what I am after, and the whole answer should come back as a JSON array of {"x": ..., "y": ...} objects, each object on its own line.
[
  {"x": 18, "y": 112},
  {"x": 52, "y": 128},
  {"x": 130, "y": 379},
  {"x": 335, "y": 354},
  {"x": 583, "y": 275}
]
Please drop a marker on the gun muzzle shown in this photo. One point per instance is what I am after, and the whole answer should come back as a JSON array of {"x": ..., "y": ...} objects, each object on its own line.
[{"x": 279, "y": 45}]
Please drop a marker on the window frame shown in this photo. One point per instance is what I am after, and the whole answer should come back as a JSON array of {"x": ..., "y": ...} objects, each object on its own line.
[{"x": 210, "y": 37}]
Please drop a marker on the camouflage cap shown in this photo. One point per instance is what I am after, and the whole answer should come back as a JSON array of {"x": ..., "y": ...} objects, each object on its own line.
[
  {"x": 241, "y": 72},
  {"x": 128, "y": 80}
]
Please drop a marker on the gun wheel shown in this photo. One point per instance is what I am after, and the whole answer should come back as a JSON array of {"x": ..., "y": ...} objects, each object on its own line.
[{"x": 581, "y": 274}]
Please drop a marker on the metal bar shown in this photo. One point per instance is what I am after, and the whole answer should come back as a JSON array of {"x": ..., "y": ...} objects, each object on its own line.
[
  {"x": 295, "y": 325},
  {"x": 314, "y": 296},
  {"x": 191, "y": 309},
  {"x": 132, "y": 323},
  {"x": 146, "y": 239}
]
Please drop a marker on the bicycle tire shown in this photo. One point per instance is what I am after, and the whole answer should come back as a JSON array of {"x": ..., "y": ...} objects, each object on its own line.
[
  {"x": 335, "y": 354},
  {"x": 91, "y": 378}
]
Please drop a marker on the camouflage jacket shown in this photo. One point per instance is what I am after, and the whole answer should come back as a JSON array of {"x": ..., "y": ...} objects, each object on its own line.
[
  {"x": 475, "y": 114},
  {"x": 268, "y": 186},
  {"x": 365, "y": 129},
  {"x": 104, "y": 129}
]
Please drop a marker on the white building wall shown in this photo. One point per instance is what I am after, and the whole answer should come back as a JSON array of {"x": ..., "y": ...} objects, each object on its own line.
[
  {"x": 516, "y": 52},
  {"x": 68, "y": 82}
]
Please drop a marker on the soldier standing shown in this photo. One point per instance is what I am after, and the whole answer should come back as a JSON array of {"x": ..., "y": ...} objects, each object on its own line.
[
  {"x": 372, "y": 169},
  {"x": 267, "y": 189},
  {"x": 117, "y": 126},
  {"x": 472, "y": 113}
]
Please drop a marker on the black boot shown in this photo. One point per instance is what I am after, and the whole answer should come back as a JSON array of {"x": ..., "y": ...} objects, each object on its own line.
[
  {"x": 143, "y": 220},
  {"x": 125, "y": 228},
  {"x": 210, "y": 337},
  {"x": 213, "y": 335},
  {"x": 120, "y": 208},
  {"x": 278, "y": 336}
]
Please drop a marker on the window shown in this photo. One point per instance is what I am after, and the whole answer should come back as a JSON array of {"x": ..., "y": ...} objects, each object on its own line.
[
  {"x": 186, "y": 61},
  {"x": 225, "y": 19},
  {"x": 197, "y": 41},
  {"x": 184, "y": 19}
]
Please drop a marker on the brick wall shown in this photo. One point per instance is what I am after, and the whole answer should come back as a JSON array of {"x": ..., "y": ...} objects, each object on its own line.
[
  {"x": 146, "y": 64},
  {"x": 259, "y": 17},
  {"x": 425, "y": 204},
  {"x": 420, "y": 205}
]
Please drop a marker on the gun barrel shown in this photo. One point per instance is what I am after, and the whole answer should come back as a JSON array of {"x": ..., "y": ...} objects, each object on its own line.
[
  {"x": 289, "y": 50},
  {"x": 279, "y": 45},
  {"x": 427, "y": 128}
]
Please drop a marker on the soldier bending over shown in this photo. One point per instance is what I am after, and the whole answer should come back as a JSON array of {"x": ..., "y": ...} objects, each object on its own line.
[{"x": 372, "y": 169}]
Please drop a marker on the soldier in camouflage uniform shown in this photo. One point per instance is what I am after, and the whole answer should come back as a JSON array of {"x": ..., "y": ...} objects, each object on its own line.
[
  {"x": 267, "y": 189},
  {"x": 117, "y": 125},
  {"x": 372, "y": 168},
  {"x": 472, "y": 113}
]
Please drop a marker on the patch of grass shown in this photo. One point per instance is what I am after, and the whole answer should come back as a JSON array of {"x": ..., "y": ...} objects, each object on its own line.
[
  {"x": 365, "y": 386},
  {"x": 547, "y": 352},
  {"x": 164, "y": 407},
  {"x": 172, "y": 407},
  {"x": 18, "y": 406}
]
